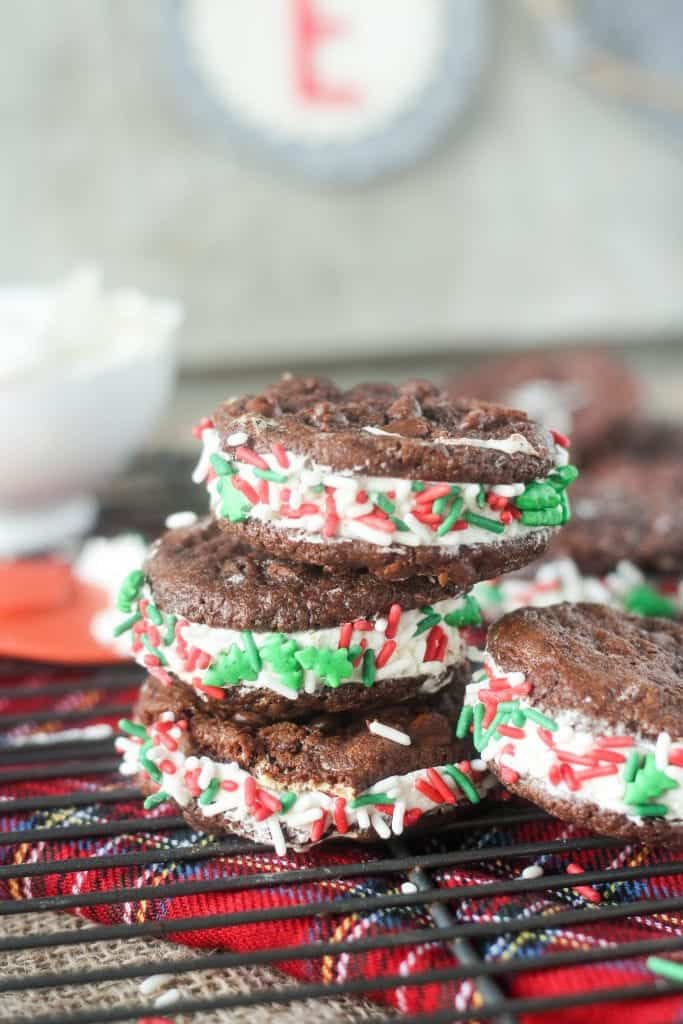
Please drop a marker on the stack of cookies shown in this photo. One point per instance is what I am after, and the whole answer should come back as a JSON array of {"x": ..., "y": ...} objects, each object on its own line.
[{"x": 307, "y": 644}]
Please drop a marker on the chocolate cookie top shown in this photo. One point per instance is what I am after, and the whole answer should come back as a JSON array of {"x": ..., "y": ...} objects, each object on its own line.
[
  {"x": 628, "y": 507},
  {"x": 324, "y": 752},
  {"x": 202, "y": 573},
  {"x": 586, "y": 393},
  {"x": 382, "y": 430},
  {"x": 619, "y": 669}
]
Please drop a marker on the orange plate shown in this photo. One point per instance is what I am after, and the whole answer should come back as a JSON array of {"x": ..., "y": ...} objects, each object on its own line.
[{"x": 45, "y": 613}]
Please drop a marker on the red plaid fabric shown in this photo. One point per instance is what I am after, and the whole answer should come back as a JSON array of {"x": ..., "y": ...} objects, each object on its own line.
[{"x": 408, "y": 961}]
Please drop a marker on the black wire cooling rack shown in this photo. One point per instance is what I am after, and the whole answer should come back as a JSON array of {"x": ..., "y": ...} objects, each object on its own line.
[{"x": 95, "y": 758}]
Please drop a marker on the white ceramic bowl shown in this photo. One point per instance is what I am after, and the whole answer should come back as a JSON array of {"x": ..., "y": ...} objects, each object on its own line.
[{"x": 67, "y": 425}]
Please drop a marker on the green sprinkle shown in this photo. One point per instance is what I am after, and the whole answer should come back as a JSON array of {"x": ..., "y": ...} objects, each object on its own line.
[
  {"x": 209, "y": 794},
  {"x": 537, "y": 495},
  {"x": 439, "y": 506},
  {"x": 330, "y": 665},
  {"x": 154, "y": 799},
  {"x": 145, "y": 762},
  {"x": 461, "y": 780},
  {"x": 368, "y": 670},
  {"x": 130, "y": 588},
  {"x": 464, "y": 721},
  {"x": 132, "y": 728},
  {"x": 648, "y": 783},
  {"x": 499, "y": 719},
  {"x": 270, "y": 474},
  {"x": 649, "y": 810},
  {"x": 169, "y": 635},
  {"x": 154, "y": 650},
  {"x": 518, "y": 718},
  {"x": 287, "y": 800},
  {"x": 318, "y": 489},
  {"x": 670, "y": 969},
  {"x": 221, "y": 466},
  {"x": 644, "y": 600},
  {"x": 432, "y": 618},
  {"x": 368, "y": 799},
  {"x": 484, "y": 522},
  {"x": 451, "y": 518},
  {"x": 279, "y": 651},
  {"x": 541, "y": 719},
  {"x": 481, "y": 497},
  {"x": 564, "y": 505},
  {"x": 154, "y": 615},
  {"x": 127, "y": 624},
  {"x": 355, "y": 651},
  {"x": 417, "y": 486},
  {"x": 468, "y": 615},
  {"x": 234, "y": 506},
  {"x": 563, "y": 477},
  {"x": 632, "y": 765},
  {"x": 381, "y": 501},
  {"x": 251, "y": 650},
  {"x": 543, "y": 517},
  {"x": 507, "y": 705},
  {"x": 478, "y": 714},
  {"x": 399, "y": 524}
]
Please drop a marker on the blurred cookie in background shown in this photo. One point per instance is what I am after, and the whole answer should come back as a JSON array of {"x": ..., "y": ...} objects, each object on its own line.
[{"x": 587, "y": 394}]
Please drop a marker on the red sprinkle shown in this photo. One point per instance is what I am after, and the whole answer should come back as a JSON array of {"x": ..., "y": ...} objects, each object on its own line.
[
  {"x": 204, "y": 424},
  {"x": 567, "y": 756},
  {"x": 441, "y": 649},
  {"x": 165, "y": 740},
  {"x": 167, "y": 767},
  {"x": 345, "y": 634},
  {"x": 246, "y": 489},
  {"x": 307, "y": 509},
  {"x": 440, "y": 786},
  {"x": 614, "y": 741},
  {"x": 153, "y": 635},
  {"x": 211, "y": 475},
  {"x": 412, "y": 816},
  {"x": 217, "y": 692},
  {"x": 560, "y": 439},
  {"x": 568, "y": 777},
  {"x": 511, "y": 730},
  {"x": 250, "y": 792},
  {"x": 430, "y": 494},
  {"x": 270, "y": 802},
  {"x": 676, "y": 757},
  {"x": 432, "y": 794},
  {"x": 318, "y": 828},
  {"x": 393, "y": 619},
  {"x": 362, "y": 497},
  {"x": 508, "y": 775},
  {"x": 363, "y": 626},
  {"x": 151, "y": 661},
  {"x": 386, "y": 651},
  {"x": 546, "y": 736},
  {"x": 376, "y": 522},
  {"x": 331, "y": 524},
  {"x": 281, "y": 455},
  {"x": 596, "y": 773},
  {"x": 428, "y": 518},
  {"x": 587, "y": 891},
  {"x": 204, "y": 660},
  {"x": 229, "y": 786},
  {"x": 554, "y": 774},
  {"x": 340, "y": 820},
  {"x": 244, "y": 454},
  {"x": 608, "y": 755},
  {"x": 434, "y": 638},
  {"x": 263, "y": 492},
  {"x": 363, "y": 645},
  {"x": 191, "y": 781}
]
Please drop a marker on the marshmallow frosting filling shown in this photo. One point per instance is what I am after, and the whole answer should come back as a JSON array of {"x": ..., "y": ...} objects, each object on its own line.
[
  {"x": 570, "y": 755},
  {"x": 256, "y": 804},
  {"x": 405, "y": 644},
  {"x": 290, "y": 492}
]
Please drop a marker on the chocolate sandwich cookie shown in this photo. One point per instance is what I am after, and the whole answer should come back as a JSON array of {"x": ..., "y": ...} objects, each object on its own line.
[
  {"x": 589, "y": 394},
  {"x": 298, "y": 783},
  {"x": 276, "y": 639},
  {"x": 628, "y": 507},
  {"x": 400, "y": 481},
  {"x": 580, "y": 709}
]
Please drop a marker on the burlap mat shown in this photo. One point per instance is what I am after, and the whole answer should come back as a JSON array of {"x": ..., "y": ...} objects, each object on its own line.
[{"x": 31, "y": 1002}]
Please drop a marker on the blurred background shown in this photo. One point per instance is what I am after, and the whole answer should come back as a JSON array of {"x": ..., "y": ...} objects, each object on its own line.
[{"x": 372, "y": 187}]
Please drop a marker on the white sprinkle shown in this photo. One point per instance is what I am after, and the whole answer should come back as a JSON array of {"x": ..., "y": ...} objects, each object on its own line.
[
  {"x": 363, "y": 818},
  {"x": 533, "y": 871},
  {"x": 662, "y": 748},
  {"x": 237, "y": 439},
  {"x": 277, "y": 837},
  {"x": 408, "y": 887},
  {"x": 155, "y": 981},
  {"x": 305, "y": 817},
  {"x": 167, "y": 998},
  {"x": 192, "y": 763},
  {"x": 387, "y": 732},
  {"x": 508, "y": 490},
  {"x": 178, "y": 519},
  {"x": 478, "y": 765},
  {"x": 167, "y": 716},
  {"x": 381, "y": 625},
  {"x": 206, "y": 774},
  {"x": 380, "y": 826},
  {"x": 397, "y": 818}
]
